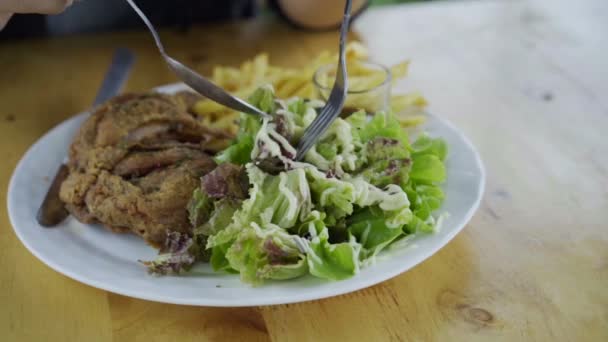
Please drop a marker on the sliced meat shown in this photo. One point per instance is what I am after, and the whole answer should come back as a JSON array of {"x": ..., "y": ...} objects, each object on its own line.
[
  {"x": 155, "y": 146},
  {"x": 119, "y": 203},
  {"x": 81, "y": 213},
  {"x": 135, "y": 120},
  {"x": 151, "y": 131},
  {"x": 135, "y": 162},
  {"x": 140, "y": 163},
  {"x": 75, "y": 187}
]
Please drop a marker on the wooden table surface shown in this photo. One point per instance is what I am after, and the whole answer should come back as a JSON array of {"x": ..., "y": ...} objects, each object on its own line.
[{"x": 525, "y": 80}]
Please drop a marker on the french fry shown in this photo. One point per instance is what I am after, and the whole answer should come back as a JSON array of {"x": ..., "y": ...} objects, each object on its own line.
[
  {"x": 401, "y": 102},
  {"x": 399, "y": 70},
  {"x": 243, "y": 80},
  {"x": 358, "y": 83},
  {"x": 411, "y": 120},
  {"x": 207, "y": 107},
  {"x": 356, "y": 50},
  {"x": 290, "y": 87}
]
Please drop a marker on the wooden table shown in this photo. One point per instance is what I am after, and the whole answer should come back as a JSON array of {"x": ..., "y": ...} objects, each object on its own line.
[{"x": 525, "y": 80}]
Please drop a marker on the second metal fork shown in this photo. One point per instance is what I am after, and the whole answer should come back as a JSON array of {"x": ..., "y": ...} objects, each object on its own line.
[
  {"x": 335, "y": 102},
  {"x": 194, "y": 80}
]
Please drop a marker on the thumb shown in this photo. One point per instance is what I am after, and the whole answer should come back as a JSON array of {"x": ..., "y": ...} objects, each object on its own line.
[
  {"x": 4, "y": 17},
  {"x": 34, "y": 6}
]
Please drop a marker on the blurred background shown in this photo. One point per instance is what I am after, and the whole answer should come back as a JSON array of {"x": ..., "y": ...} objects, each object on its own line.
[
  {"x": 88, "y": 16},
  {"x": 238, "y": 44}
]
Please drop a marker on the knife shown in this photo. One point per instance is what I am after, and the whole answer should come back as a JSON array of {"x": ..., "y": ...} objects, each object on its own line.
[{"x": 52, "y": 211}]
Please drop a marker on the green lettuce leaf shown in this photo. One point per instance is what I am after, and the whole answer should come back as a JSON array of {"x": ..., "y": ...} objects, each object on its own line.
[
  {"x": 239, "y": 152},
  {"x": 382, "y": 148},
  {"x": 357, "y": 122},
  {"x": 383, "y": 125},
  {"x": 336, "y": 150},
  {"x": 360, "y": 188},
  {"x": 299, "y": 114},
  {"x": 387, "y": 162},
  {"x": 221, "y": 217},
  {"x": 249, "y": 125},
  {"x": 327, "y": 150},
  {"x": 427, "y": 169},
  {"x": 334, "y": 196},
  {"x": 270, "y": 144},
  {"x": 311, "y": 225},
  {"x": 245, "y": 256},
  {"x": 425, "y": 199},
  {"x": 298, "y": 107},
  {"x": 199, "y": 208},
  {"x": 392, "y": 200},
  {"x": 337, "y": 198},
  {"x": 268, "y": 252},
  {"x": 385, "y": 172},
  {"x": 264, "y": 99},
  {"x": 332, "y": 261},
  {"x": 279, "y": 200},
  {"x": 369, "y": 226},
  {"x": 428, "y": 155},
  {"x": 417, "y": 225},
  {"x": 218, "y": 260},
  {"x": 424, "y": 144},
  {"x": 423, "y": 190},
  {"x": 284, "y": 272}
]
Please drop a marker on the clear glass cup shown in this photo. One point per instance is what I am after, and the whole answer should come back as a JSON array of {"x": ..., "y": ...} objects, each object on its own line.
[{"x": 369, "y": 86}]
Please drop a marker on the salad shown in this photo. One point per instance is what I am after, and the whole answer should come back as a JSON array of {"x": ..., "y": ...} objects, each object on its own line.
[{"x": 263, "y": 215}]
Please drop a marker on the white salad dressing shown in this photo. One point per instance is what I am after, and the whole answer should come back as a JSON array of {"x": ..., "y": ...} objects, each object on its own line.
[{"x": 318, "y": 192}]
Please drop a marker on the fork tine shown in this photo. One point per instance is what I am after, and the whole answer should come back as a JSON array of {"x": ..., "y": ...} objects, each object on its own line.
[
  {"x": 318, "y": 127},
  {"x": 325, "y": 117},
  {"x": 335, "y": 102},
  {"x": 309, "y": 137},
  {"x": 317, "y": 124}
]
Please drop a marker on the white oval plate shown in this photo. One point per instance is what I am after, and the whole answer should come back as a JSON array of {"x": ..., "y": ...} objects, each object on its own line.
[{"x": 109, "y": 261}]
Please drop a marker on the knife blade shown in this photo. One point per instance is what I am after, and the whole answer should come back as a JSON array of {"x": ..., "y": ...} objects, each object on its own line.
[{"x": 52, "y": 211}]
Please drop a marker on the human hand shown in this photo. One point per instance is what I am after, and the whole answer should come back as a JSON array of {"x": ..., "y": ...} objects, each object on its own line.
[
  {"x": 318, "y": 14},
  {"x": 4, "y": 17},
  {"x": 8, "y": 7}
]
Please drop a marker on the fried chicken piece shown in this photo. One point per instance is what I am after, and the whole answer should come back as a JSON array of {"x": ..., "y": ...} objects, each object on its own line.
[{"x": 134, "y": 164}]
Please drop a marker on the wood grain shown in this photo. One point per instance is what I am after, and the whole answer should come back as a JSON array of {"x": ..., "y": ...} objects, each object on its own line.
[{"x": 525, "y": 80}]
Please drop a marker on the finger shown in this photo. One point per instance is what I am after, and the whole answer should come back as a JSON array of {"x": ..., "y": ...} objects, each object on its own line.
[
  {"x": 34, "y": 6},
  {"x": 4, "y": 17}
]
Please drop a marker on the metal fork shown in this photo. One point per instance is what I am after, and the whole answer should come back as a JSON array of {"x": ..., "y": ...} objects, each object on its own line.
[
  {"x": 196, "y": 81},
  {"x": 335, "y": 102}
]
